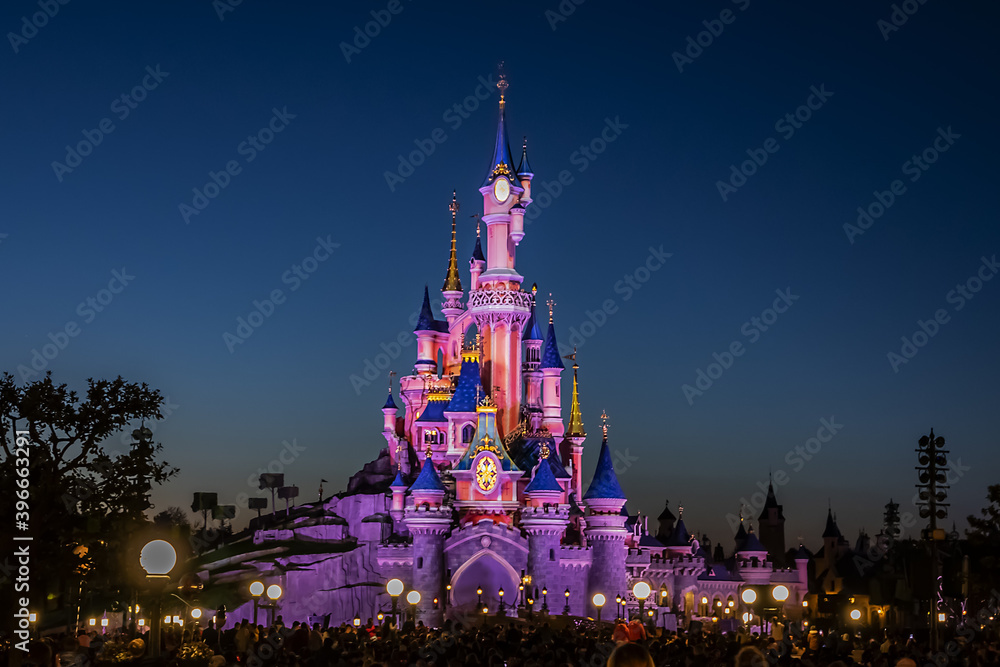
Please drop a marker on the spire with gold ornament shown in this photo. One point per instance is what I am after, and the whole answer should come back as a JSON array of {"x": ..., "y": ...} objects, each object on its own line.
[
  {"x": 575, "y": 435},
  {"x": 452, "y": 288}
]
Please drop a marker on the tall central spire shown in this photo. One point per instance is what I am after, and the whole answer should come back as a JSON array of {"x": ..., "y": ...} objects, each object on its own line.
[
  {"x": 575, "y": 427},
  {"x": 452, "y": 281},
  {"x": 502, "y": 162}
]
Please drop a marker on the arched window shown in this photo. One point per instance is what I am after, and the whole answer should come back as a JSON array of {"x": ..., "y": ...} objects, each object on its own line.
[
  {"x": 552, "y": 554},
  {"x": 431, "y": 436},
  {"x": 420, "y": 563},
  {"x": 467, "y": 432}
]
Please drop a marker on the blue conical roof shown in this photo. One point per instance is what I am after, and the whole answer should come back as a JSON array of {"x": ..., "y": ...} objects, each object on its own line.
[
  {"x": 680, "y": 537},
  {"x": 389, "y": 403},
  {"x": 464, "y": 398},
  {"x": 550, "y": 351},
  {"x": 605, "y": 483},
  {"x": 524, "y": 169},
  {"x": 502, "y": 160},
  {"x": 426, "y": 321},
  {"x": 428, "y": 479},
  {"x": 543, "y": 480},
  {"x": 534, "y": 333},
  {"x": 434, "y": 412},
  {"x": 751, "y": 543},
  {"x": 477, "y": 251},
  {"x": 398, "y": 481}
]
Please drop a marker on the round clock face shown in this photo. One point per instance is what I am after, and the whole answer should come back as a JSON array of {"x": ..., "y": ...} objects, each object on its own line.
[
  {"x": 501, "y": 189},
  {"x": 486, "y": 474}
]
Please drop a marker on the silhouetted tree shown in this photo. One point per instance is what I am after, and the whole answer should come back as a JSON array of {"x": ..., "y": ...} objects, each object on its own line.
[{"x": 984, "y": 543}]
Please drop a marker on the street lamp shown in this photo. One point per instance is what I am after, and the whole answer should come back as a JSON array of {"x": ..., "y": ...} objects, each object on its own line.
[
  {"x": 618, "y": 606},
  {"x": 566, "y": 608},
  {"x": 599, "y": 601},
  {"x": 545, "y": 600},
  {"x": 157, "y": 558},
  {"x": 855, "y": 614},
  {"x": 394, "y": 587},
  {"x": 413, "y": 597},
  {"x": 273, "y": 593},
  {"x": 479, "y": 594},
  {"x": 749, "y": 595},
  {"x": 357, "y": 621},
  {"x": 196, "y": 613},
  {"x": 641, "y": 591},
  {"x": 500, "y": 593},
  {"x": 256, "y": 590},
  {"x": 780, "y": 593}
]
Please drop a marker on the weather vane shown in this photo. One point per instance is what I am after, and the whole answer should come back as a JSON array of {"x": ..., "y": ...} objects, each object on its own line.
[
  {"x": 502, "y": 83},
  {"x": 604, "y": 423},
  {"x": 453, "y": 206}
]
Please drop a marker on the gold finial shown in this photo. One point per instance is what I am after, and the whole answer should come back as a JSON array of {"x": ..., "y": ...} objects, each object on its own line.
[
  {"x": 550, "y": 303},
  {"x": 544, "y": 452},
  {"x": 502, "y": 83},
  {"x": 534, "y": 289},
  {"x": 452, "y": 281},
  {"x": 391, "y": 373},
  {"x": 428, "y": 451},
  {"x": 680, "y": 511},
  {"x": 604, "y": 423}
]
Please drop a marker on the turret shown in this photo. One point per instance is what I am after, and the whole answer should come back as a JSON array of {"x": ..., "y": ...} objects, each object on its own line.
[
  {"x": 525, "y": 173},
  {"x": 544, "y": 519},
  {"x": 575, "y": 434},
  {"x": 389, "y": 411},
  {"x": 427, "y": 521},
  {"x": 605, "y": 529},
  {"x": 666, "y": 523},
  {"x": 398, "y": 487},
  {"x": 552, "y": 368},
  {"x": 431, "y": 333},
  {"x": 679, "y": 542},
  {"x": 461, "y": 410},
  {"x": 751, "y": 560},
  {"x": 530, "y": 368},
  {"x": 452, "y": 289},
  {"x": 478, "y": 262}
]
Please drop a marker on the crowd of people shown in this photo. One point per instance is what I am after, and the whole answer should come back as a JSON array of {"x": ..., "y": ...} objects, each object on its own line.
[{"x": 508, "y": 645}]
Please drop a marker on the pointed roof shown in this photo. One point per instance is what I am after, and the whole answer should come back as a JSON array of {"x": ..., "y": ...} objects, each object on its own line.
[
  {"x": 771, "y": 501},
  {"x": 543, "y": 480},
  {"x": 502, "y": 161},
  {"x": 550, "y": 350},
  {"x": 477, "y": 251},
  {"x": 741, "y": 533},
  {"x": 426, "y": 321},
  {"x": 831, "y": 526},
  {"x": 452, "y": 281},
  {"x": 575, "y": 427},
  {"x": 680, "y": 537},
  {"x": 751, "y": 543},
  {"x": 525, "y": 450},
  {"x": 398, "y": 481},
  {"x": 533, "y": 332},
  {"x": 428, "y": 479},
  {"x": 666, "y": 514},
  {"x": 605, "y": 482},
  {"x": 486, "y": 438},
  {"x": 389, "y": 403},
  {"x": 468, "y": 386},
  {"x": 524, "y": 169}
]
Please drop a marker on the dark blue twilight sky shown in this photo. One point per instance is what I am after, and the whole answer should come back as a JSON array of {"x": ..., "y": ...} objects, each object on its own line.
[{"x": 676, "y": 135}]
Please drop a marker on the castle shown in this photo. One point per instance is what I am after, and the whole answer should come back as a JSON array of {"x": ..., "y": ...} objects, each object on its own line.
[{"x": 488, "y": 505}]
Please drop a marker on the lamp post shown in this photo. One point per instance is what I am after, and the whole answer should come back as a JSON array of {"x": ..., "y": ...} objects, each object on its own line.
[
  {"x": 500, "y": 593},
  {"x": 413, "y": 597},
  {"x": 545, "y": 599},
  {"x": 394, "y": 587},
  {"x": 780, "y": 594},
  {"x": 273, "y": 593},
  {"x": 599, "y": 601},
  {"x": 618, "y": 606},
  {"x": 256, "y": 590},
  {"x": 157, "y": 558},
  {"x": 641, "y": 591},
  {"x": 566, "y": 608},
  {"x": 749, "y": 596},
  {"x": 479, "y": 596}
]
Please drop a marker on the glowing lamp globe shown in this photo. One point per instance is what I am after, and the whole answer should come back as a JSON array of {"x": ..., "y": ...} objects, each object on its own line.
[
  {"x": 357, "y": 621},
  {"x": 641, "y": 590},
  {"x": 599, "y": 599},
  {"x": 746, "y": 617},
  {"x": 855, "y": 614},
  {"x": 196, "y": 613},
  {"x": 749, "y": 595},
  {"x": 780, "y": 593},
  {"x": 256, "y": 589},
  {"x": 274, "y": 591},
  {"x": 394, "y": 587},
  {"x": 157, "y": 558},
  {"x": 413, "y": 597}
]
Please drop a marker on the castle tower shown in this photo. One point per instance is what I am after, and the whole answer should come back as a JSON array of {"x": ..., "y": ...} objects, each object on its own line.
[
  {"x": 525, "y": 173},
  {"x": 498, "y": 306},
  {"x": 575, "y": 434},
  {"x": 478, "y": 261},
  {"x": 751, "y": 560},
  {"x": 427, "y": 520},
  {"x": 544, "y": 518},
  {"x": 666, "y": 523},
  {"x": 605, "y": 529},
  {"x": 451, "y": 291},
  {"x": 771, "y": 524},
  {"x": 398, "y": 488},
  {"x": 432, "y": 334},
  {"x": 486, "y": 477},
  {"x": 552, "y": 368}
]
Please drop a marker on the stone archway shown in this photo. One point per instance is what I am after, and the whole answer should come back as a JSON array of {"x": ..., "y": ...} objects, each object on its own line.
[{"x": 487, "y": 569}]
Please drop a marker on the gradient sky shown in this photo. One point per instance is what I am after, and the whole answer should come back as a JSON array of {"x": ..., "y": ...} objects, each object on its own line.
[{"x": 323, "y": 176}]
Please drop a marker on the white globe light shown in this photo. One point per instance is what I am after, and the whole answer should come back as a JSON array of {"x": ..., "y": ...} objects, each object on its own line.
[
  {"x": 780, "y": 593},
  {"x": 641, "y": 590},
  {"x": 274, "y": 591},
  {"x": 855, "y": 614},
  {"x": 746, "y": 617},
  {"x": 256, "y": 589},
  {"x": 157, "y": 558},
  {"x": 394, "y": 587},
  {"x": 749, "y": 595},
  {"x": 413, "y": 597},
  {"x": 599, "y": 599},
  {"x": 196, "y": 613}
]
